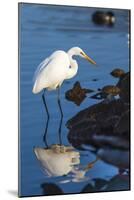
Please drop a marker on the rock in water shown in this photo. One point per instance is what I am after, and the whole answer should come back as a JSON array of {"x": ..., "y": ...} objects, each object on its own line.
[
  {"x": 117, "y": 73},
  {"x": 77, "y": 94},
  {"x": 103, "y": 18},
  {"x": 124, "y": 85},
  {"x": 105, "y": 126}
]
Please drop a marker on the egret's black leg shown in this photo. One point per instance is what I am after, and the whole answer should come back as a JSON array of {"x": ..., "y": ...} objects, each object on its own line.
[
  {"x": 59, "y": 102},
  {"x": 44, "y": 101},
  {"x": 45, "y": 134},
  {"x": 48, "y": 116},
  {"x": 61, "y": 120},
  {"x": 59, "y": 132}
]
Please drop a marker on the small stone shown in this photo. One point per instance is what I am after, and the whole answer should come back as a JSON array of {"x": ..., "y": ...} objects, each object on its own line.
[{"x": 117, "y": 73}]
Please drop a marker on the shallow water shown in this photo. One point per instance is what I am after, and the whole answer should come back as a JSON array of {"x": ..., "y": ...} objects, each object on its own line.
[{"x": 42, "y": 30}]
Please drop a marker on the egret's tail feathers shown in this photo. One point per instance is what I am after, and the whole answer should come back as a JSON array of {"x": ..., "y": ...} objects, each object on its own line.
[{"x": 36, "y": 89}]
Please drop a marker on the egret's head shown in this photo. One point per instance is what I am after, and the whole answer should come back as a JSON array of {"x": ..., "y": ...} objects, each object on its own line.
[{"x": 79, "y": 52}]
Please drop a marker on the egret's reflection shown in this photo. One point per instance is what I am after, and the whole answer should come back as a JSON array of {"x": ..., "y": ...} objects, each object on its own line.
[
  {"x": 59, "y": 129},
  {"x": 57, "y": 160},
  {"x": 60, "y": 160},
  {"x": 45, "y": 133}
]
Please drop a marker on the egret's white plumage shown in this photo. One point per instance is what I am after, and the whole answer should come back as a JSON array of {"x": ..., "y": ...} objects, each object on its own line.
[{"x": 51, "y": 73}]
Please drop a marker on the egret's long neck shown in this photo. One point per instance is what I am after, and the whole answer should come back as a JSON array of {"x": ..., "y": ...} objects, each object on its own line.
[{"x": 73, "y": 66}]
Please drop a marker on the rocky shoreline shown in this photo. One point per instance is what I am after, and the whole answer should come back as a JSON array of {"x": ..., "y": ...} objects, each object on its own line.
[{"x": 105, "y": 125}]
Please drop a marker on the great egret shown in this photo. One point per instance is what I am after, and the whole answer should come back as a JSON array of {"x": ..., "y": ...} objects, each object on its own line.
[
  {"x": 60, "y": 66},
  {"x": 51, "y": 73}
]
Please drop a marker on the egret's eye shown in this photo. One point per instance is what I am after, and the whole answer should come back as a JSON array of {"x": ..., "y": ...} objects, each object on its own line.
[{"x": 82, "y": 53}]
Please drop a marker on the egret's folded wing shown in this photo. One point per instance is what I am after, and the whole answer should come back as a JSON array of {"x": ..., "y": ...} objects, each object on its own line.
[{"x": 40, "y": 67}]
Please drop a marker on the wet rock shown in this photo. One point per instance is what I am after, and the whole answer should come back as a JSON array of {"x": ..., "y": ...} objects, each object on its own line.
[
  {"x": 105, "y": 127},
  {"x": 107, "y": 92},
  {"x": 111, "y": 89},
  {"x": 103, "y": 18},
  {"x": 123, "y": 124},
  {"x": 124, "y": 85},
  {"x": 122, "y": 88},
  {"x": 118, "y": 73},
  {"x": 97, "y": 113},
  {"x": 77, "y": 94},
  {"x": 101, "y": 127}
]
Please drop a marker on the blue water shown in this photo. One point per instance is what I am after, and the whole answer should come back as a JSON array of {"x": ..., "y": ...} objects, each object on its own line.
[{"x": 42, "y": 30}]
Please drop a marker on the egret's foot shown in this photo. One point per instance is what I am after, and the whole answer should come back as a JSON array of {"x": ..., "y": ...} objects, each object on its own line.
[
  {"x": 55, "y": 148},
  {"x": 62, "y": 149}
]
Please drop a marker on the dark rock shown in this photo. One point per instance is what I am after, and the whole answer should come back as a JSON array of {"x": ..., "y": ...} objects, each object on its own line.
[
  {"x": 105, "y": 126},
  {"x": 77, "y": 94},
  {"x": 117, "y": 73},
  {"x": 124, "y": 85},
  {"x": 98, "y": 113},
  {"x": 103, "y": 18},
  {"x": 111, "y": 89},
  {"x": 100, "y": 126},
  {"x": 108, "y": 92},
  {"x": 123, "y": 124}
]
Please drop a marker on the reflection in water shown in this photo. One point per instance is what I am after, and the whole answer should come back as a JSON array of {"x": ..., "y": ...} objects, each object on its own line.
[
  {"x": 57, "y": 160},
  {"x": 45, "y": 133},
  {"x": 59, "y": 132},
  {"x": 48, "y": 117},
  {"x": 61, "y": 119},
  {"x": 51, "y": 188},
  {"x": 116, "y": 183},
  {"x": 63, "y": 160}
]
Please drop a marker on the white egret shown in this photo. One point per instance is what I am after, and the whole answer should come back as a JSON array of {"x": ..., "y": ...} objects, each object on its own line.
[
  {"x": 60, "y": 66},
  {"x": 51, "y": 73}
]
